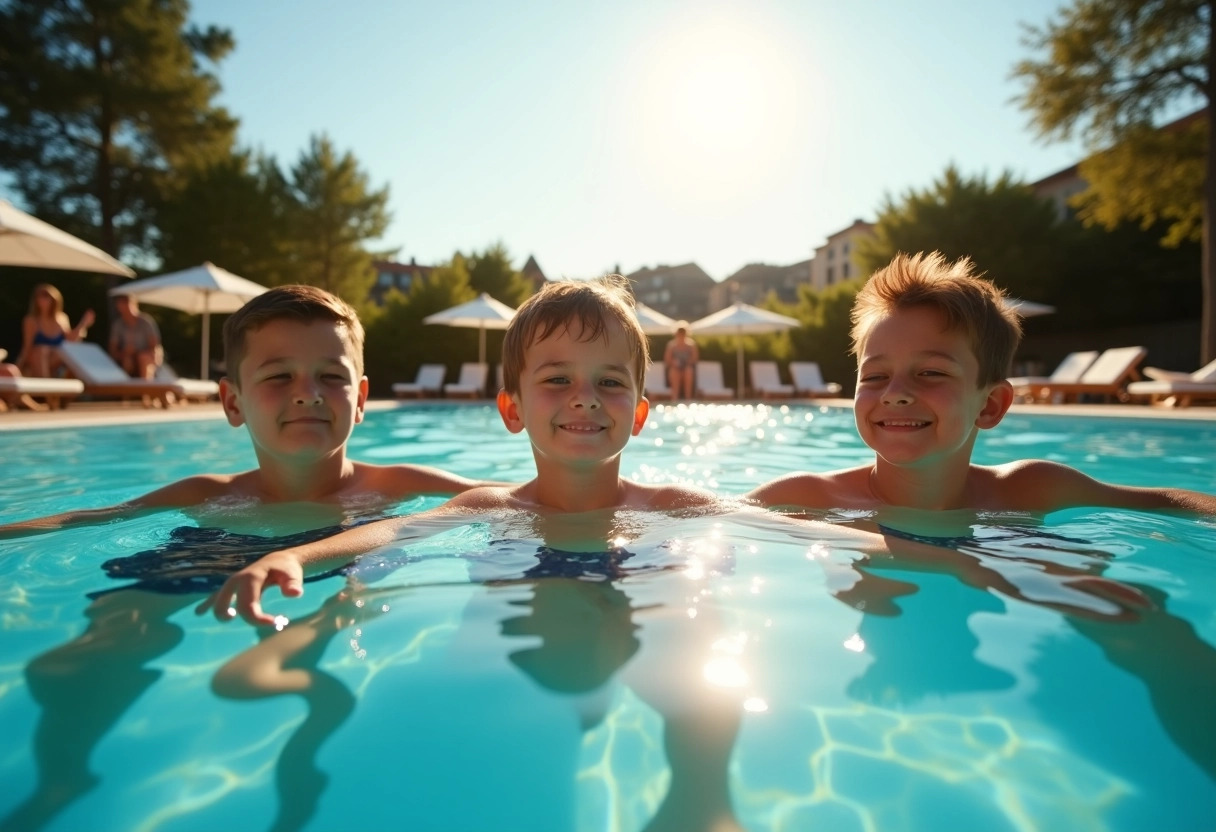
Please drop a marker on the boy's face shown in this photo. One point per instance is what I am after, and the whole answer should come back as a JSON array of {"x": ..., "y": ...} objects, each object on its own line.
[
  {"x": 299, "y": 393},
  {"x": 578, "y": 400},
  {"x": 918, "y": 401}
]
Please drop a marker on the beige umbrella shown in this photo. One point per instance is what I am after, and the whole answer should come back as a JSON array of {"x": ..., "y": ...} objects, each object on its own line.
[
  {"x": 28, "y": 241},
  {"x": 654, "y": 322},
  {"x": 201, "y": 290},
  {"x": 741, "y": 319},
  {"x": 483, "y": 312}
]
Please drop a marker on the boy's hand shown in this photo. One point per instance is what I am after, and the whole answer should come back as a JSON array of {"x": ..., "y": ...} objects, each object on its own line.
[{"x": 242, "y": 593}]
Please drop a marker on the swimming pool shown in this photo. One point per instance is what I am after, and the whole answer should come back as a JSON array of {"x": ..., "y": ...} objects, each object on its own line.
[{"x": 457, "y": 694}]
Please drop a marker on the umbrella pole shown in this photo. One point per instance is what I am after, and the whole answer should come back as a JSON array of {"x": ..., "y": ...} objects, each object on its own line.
[
  {"x": 739, "y": 366},
  {"x": 204, "y": 364},
  {"x": 481, "y": 344}
]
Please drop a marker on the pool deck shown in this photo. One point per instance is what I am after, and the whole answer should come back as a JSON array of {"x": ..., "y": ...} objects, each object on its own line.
[{"x": 88, "y": 414}]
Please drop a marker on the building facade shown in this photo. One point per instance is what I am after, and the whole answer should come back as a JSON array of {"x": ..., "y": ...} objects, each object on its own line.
[
  {"x": 836, "y": 260},
  {"x": 681, "y": 292},
  {"x": 753, "y": 283},
  {"x": 393, "y": 275}
]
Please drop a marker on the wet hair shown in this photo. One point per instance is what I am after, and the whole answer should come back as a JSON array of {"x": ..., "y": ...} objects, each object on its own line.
[
  {"x": 56, "y": 300},
  {"x": 582, "y": 307},
  {"x": 304, "y": 304},
  {"x": 969, "y": 303}
]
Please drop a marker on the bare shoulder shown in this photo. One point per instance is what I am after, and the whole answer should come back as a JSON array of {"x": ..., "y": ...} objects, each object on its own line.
[
  {"x": 829, "y": 489},
  {"x": 667, "y": 497},
  {"x": 398, "y": 481},
  {"x": 1041, "y": 485},
  {"x": 484, "y": 498},
  {"x": 192, "y": 491}
]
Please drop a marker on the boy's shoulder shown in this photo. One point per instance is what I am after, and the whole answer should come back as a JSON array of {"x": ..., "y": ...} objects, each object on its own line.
[
  {"x": 842, "y": 488},
  {"x": 394, "y": 481},
  {"x": 195, "y": 490},
  {"x": 665, "y": 496}
]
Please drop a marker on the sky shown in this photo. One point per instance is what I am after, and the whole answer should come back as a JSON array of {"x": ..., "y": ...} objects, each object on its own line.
[{"x": 617, "y": 135}]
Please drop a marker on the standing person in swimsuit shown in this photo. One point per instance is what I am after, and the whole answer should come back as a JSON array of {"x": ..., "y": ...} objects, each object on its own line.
[
  {"x": 135, "y": 339},
  {"x": 681, "y": 358},
  {"x": 44, "y": 327}
]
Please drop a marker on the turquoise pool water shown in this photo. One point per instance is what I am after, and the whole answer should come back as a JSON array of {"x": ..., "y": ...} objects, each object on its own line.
[{"x": 798, "y": 682}]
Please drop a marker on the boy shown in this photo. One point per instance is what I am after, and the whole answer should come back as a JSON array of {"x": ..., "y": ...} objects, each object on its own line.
[
  {"x": 295, "y": 360},
  {"x": 933, "y": 345},
  {"x": 574, "y": 359}
]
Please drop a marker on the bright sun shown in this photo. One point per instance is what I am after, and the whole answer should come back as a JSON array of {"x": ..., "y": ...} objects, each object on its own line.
[{"x": 719, "y": 102}]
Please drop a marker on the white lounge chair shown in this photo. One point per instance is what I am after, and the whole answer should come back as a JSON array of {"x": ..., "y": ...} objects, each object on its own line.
[
  {"x": 54, "y": 390},
  {"x": 1070, "y": 371},
  {"x": 656, "y": 382},
  {"x": 808, "y": 380},
  {"x": 766, "y": 380},
  {"x": 102, "y": 377},
  {"x": 428, "y": 382},
  {"x": 1176, "y": 389},
  {"x": 709, "y": 381},
  {"x": 472, "y": 381},
  {"x": 1106, "y": 377}
]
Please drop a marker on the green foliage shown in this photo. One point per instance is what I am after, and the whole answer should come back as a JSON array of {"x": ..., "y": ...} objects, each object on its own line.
[
  {"x": 491, "y": 272},
  {"x": 101, "y": 105},
  {"x": 1107, "y": 70},
  {"x": 1151, "y": 176},
  {"x": 1009, "y": 232},
  {"x": 398, "y": 341},
  {"x": 331, "y": 212}
]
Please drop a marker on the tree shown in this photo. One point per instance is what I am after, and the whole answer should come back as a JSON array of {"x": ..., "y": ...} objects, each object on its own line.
[
  {"x": 101, "y": 105},
  {"x": 1112, "y": 67},
  {"x": 1008, "y": 231},
  {"x": 491, "y": 272},
  {"x": 398, "y": 341},
  {"x": 331, "y": 213},
  {"x": 231, "y": 213}
]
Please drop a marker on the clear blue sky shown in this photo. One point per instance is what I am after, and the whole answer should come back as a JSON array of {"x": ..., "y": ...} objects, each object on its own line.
[{"x": 630, "y": 133}]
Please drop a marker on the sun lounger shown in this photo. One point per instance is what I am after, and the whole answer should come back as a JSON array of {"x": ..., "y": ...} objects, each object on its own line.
[
  {"x": 1070, "y": 371},
  {"x": 54, "y": 390},
  {"x": 1176, "y": 389},
  {"x": 656, "y": 382},
  {"x": 428, "y": 382},
  {"x": 472, "y": 381},
  {"x": 808, "y": 380},
  {"x": 1106, "y": 377},
  {"x": 766, "y": 381},
  {"x": 709, "y": 381},
  {"x": 103, "y": 378}
]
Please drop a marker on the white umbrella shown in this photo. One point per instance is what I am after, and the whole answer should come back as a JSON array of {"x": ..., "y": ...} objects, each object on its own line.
[
  {"x": 1028, "y": 308},
  {"x": 28, "y": 241},
  {"x": 201, "y": 290},
  {"x": 653, "y": 321},
  {"x": 741, "y": 319},
  {"x": 483, "y": 312}
]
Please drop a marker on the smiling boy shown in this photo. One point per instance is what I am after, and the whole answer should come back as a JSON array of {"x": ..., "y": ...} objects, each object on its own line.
[
  {"x": 295, "y": 361},
  {"x": 934, "y": 343}
]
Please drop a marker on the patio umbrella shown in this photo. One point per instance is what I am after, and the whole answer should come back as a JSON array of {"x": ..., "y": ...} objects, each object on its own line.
[
  {"x": 741, "y": 319},
  {"x": 201, "y": 290},
  {"x": 28, "y": 241},
  {"x": 653, "y": 321},
  {"x": 1029, "y": 309},
  {"x": 483, "y": 312}
]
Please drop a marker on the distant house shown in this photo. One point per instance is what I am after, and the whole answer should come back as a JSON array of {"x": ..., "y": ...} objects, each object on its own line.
[
  {"x": 753, "y": 283},
  {"x": 393, "y": 275},
  {"x": 680, "y": 292},
  {"x": 532, "y": 273},
  {"x": 836, "y": 260}
]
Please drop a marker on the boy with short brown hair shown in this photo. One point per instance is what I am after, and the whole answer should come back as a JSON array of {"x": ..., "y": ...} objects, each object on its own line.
[
  {"x": 934, "y": 343},
  {"x": 295, "y": 381}
]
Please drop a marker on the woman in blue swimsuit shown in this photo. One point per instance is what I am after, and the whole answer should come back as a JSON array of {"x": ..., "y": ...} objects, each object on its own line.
[
  {"x": 681, "y": 359},
  {"x": 44, "y": 328}
]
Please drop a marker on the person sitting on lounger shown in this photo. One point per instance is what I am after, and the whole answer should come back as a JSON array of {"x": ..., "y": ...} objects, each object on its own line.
[
  {"x": 44, "y": 327},
  {"x": 135, "y": 339}
]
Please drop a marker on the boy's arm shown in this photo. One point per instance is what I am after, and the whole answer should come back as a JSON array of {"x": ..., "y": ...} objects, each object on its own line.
[
  {"x": 408, "y": 480},
  {"x": 242, "y": 593},
  {"x": 800, "y": 489},
  {"x": 187, "y": 492},
  {"x": 1059, "y": 486}
]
